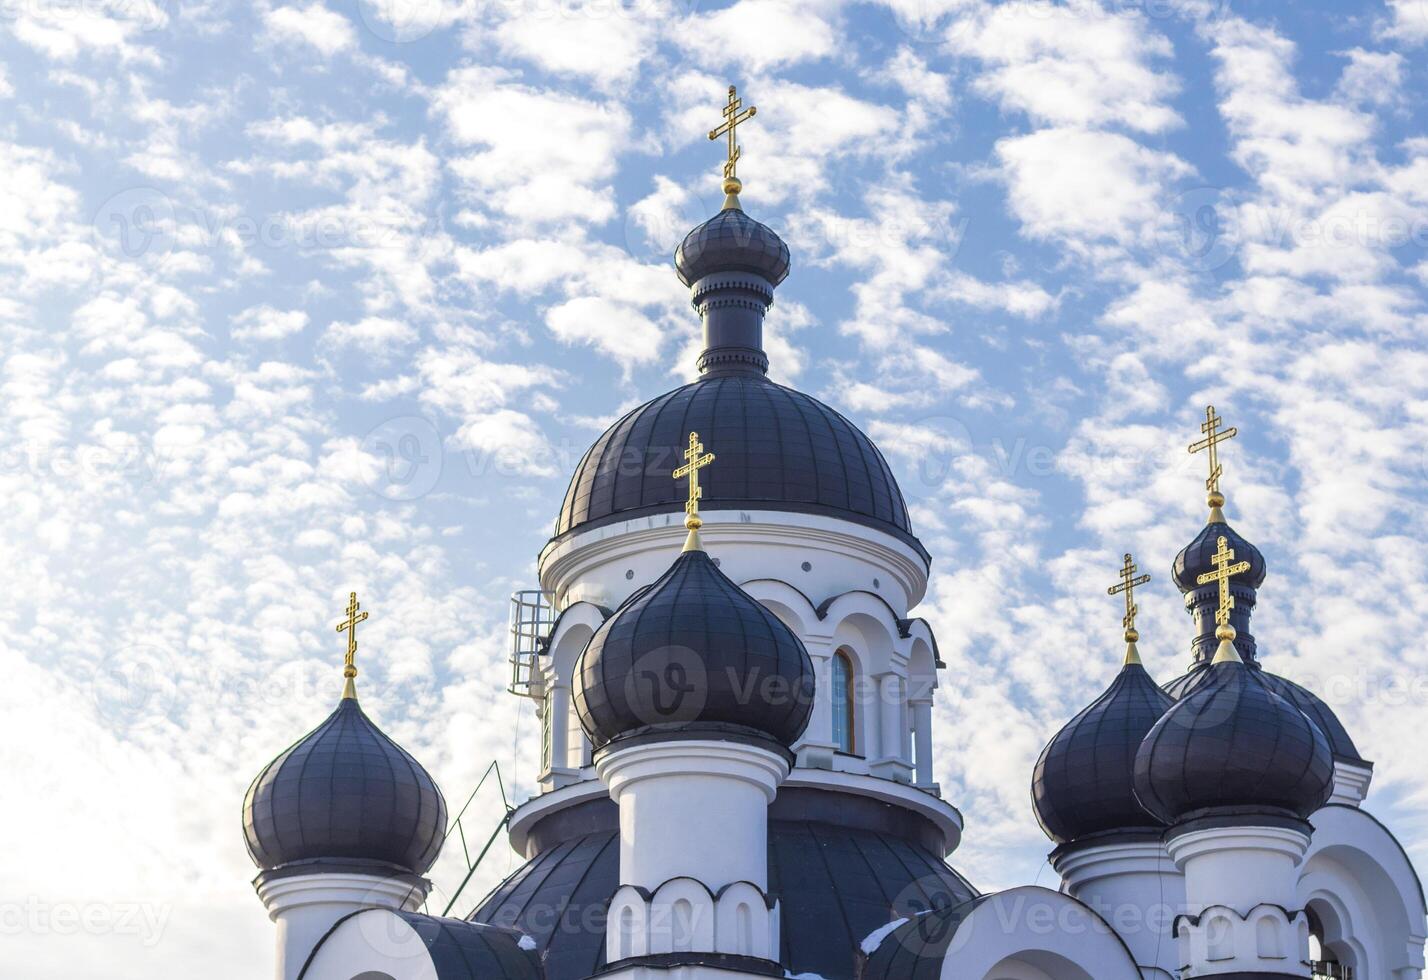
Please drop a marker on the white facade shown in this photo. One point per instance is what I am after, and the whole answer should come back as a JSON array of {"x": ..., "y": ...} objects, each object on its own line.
[{"x": 693, "y": 815}]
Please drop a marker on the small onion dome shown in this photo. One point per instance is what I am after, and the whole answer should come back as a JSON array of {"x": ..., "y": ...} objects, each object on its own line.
[
  {"x": 1233, "y": 744},
  {"x": 731, "y": 241},
  {"x": 1196, "y": 558},
  {"x": 694, "y": 653},
  {"x": 1319, "y": 712},
  {"x": 345, "y": 791},
  {"x": 1083, "y": 783}
]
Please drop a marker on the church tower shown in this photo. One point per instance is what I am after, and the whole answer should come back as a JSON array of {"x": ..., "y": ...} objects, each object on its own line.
[
  {"x": 343, "y": 820},
  {"x": 1234, "y": 771}
]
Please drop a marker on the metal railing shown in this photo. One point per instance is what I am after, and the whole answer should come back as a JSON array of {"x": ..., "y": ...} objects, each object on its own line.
[
  {"x": 1325, "y": 970},
  {"x": 532, "y": 616}
]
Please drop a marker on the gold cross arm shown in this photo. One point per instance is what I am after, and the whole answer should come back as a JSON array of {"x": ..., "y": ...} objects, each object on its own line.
[
  {"x": 697, "y": 459},
  {"x": 1222, "y": 558},
  {"x": 734, "y": 114},
  {"x": 349, "y": 626},
  {"x": 1214, "y": 435},
  {"x": 1129, "y": 581}
]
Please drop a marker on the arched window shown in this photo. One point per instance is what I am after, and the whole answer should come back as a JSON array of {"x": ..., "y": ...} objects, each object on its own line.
[{"x": 843, "y": 689}]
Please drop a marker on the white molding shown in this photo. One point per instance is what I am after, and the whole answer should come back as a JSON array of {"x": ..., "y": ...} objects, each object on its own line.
[
  {"x": 626, "y": 767},
  {"x": 571, "y": 562}
]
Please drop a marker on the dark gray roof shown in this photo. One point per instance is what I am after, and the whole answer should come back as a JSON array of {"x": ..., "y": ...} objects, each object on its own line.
[
  {"x": 917, "y": 949},
  {"x": 693, "y": 652},
  {"x": 1233, "y": 743},
  {"x": 835, "y": 885},
  {"x": 1083, "y": 781},
  {"x": 345, "y": 790},
  {"x": 461, "y": 950},
  {"x": 1319, "y": 712},
  {"x": 1194, "y": 559},
  {"x": 777, "y": 449},
  {"x": 731, "y": 241}
]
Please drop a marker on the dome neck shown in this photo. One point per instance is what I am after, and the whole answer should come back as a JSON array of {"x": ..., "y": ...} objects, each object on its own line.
[
  {"x": 732, "y": 306},
  {"x": 1202, "y": 603}
]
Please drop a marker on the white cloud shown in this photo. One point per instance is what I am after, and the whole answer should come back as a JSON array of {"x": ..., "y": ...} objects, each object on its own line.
[
  {"x": 603, "y": 42},
  {"x": 1372, "y": 77},
  {"x": 1075, "y": 65},
  {"x": 373, "y": 334},
  {"x": 314, "y": 25},
  {"x": 1087, "y": 185},
  {"x": 267, "y": 323},
  {"x": 1408, "y": 21},
  {"x": 762, "y": 34},
  {"x": 541, "y": 156},
  {"x": 618, "y": 329}
]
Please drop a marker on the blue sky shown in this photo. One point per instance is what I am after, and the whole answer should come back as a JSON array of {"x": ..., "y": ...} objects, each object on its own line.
[{"x": 297, "y": 299}]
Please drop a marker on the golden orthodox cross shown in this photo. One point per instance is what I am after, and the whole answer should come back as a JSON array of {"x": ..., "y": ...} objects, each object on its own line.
[
  {"x": 732, "y": 118},
  {"x": 1223, "y": 570},
  {"x": 697, "y": 459},
  {"x": 1128, "y": 582},
  {"x": 349, "y": 626},
  {"x": 1214, "y": 435}
]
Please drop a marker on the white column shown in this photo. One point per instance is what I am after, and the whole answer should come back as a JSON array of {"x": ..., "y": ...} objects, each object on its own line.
[
  {"x": 306, "y": 906},
  {"x": 1241, "y": 890},
  {"x": 1137, "y": 889},
  {"x": 891, "y": 761},
  {"x": 922, "y": 732},
  {"x": 696, "y": 809},
  {"x": 559, "y": 705},
  {"x": 816, "y": 748}
]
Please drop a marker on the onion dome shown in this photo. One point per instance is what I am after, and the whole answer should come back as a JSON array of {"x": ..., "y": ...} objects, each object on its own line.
[
  {"x": 345, "y": 792},
  {"x": 780, "y": 450},
  {"x": 1232, "y": 746},
  {"x": 731, "y": 241},
  {"x": 1202, "y": 601},
  {"x": 1084, "y": 781},
  {"x": 694, "y": 654},
  {"x": 1319, "y": 712}
]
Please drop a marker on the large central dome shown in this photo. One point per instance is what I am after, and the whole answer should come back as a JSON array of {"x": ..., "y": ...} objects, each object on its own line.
[{"x": 778, "y": 449}]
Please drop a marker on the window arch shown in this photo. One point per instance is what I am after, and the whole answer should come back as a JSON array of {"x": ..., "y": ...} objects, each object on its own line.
[{"x": 844, "y": 714}]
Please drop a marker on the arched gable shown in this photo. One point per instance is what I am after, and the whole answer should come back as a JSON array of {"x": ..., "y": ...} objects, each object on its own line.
[{"x": 1357, "y": 878}]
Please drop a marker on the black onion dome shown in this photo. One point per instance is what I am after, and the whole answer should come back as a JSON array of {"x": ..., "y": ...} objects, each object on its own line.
[
  {"x": 1233, "y": 743},
  {"x": 778, "y": 449},
  {"x": 731, "y": 241},
  {"x": 345, "y": 791},
  {"x": 694, "y": 653},
  {"x": 1195, "y": 558},
  {"x": 1340, "y": 743},
  {"x": 1084, "y": 780},
  {"x": 1319, "y": 712}
]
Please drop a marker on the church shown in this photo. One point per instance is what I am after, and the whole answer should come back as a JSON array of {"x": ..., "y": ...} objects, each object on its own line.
[{"x": 737, "y": 742}]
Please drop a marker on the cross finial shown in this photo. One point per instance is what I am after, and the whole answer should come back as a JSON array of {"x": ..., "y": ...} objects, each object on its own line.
[
  {"x": 1224, "y": 632},
  {"x": 1214, "y": 435},
  {"x": 696, "y": 459},
  {"x": 1129, "y": 581},
  {"x": 734, "y": 114},
  {"x": 349, "y": 626}
]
